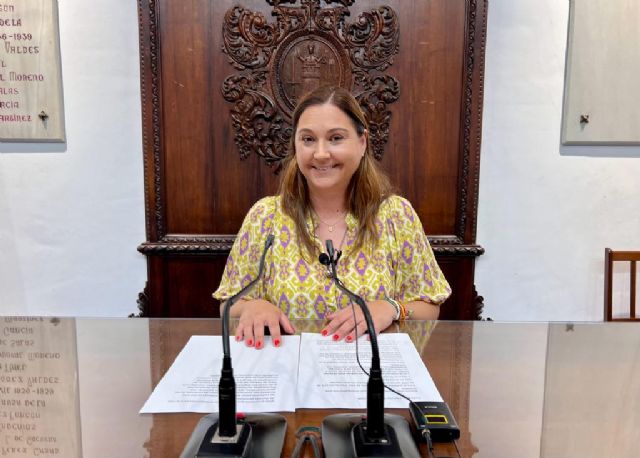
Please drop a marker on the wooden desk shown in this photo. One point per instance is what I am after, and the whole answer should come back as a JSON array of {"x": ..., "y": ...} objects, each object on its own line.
[
  {"x": 448, "y": 350},
  {"x": 525, "y": 390}
]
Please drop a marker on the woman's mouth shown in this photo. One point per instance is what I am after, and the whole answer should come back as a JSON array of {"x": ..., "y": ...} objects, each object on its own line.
[{"x": 324, "y": 168}]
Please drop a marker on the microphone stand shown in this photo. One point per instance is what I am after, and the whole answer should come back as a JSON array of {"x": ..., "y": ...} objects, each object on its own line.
[
  {"x": 377, "y": 435},
  {"x": 222, "y": 435}
]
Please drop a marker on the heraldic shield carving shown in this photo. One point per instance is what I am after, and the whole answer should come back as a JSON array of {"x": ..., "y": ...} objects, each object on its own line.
[{"x": 309, "y": 44}]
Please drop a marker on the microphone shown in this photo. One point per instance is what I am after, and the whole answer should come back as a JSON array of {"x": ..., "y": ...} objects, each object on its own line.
[
  {"x": 227, "y": 385},
  {"x": 222, "y": 435},
  {"x": 346, "y": 435}
]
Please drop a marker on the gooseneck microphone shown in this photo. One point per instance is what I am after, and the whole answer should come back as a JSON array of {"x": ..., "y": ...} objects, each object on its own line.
[
  {"x": 222, "y": 435},
  {"x": 374, "y": 428},
  {"x": 227, "y": 386},
  {"x": 371, "y": 437}
]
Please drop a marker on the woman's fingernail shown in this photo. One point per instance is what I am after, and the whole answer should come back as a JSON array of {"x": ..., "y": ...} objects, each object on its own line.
[
  {"x": 250, "y": 342},
  {"x": 276, "y": 342},
  {"x": 258, "y": 344},
  {"x": 349, "y": 339},
  {"x": 325, "y": 332},
  {"x": 336, "y": 337},
  {"x": 238, "y": 338}
]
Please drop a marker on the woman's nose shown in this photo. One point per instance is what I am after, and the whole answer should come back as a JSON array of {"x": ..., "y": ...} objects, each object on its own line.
[{"x": 321, "y": 151}]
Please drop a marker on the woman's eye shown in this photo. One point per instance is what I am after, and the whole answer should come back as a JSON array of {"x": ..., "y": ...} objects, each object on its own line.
[
  {"x": 336, "y": 138},
  {"x": 307, "y": 140}
]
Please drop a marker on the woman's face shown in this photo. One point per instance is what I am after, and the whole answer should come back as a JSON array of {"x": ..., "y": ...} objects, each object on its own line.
[{"x": 328, "y": 148}]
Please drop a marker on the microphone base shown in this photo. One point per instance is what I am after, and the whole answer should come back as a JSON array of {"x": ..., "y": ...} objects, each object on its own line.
[
  {"x": 343, "y": 437},
  {"x": 264, "y": 439}
]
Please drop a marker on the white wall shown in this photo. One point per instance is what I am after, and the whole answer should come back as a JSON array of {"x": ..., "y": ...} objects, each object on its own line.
[
  {"x": 71, "y": 215},
  {"x": 546, "y": 211}
]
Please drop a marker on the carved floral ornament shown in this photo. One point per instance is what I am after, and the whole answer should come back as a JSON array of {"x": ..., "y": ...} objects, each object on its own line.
[{"x": 309, "y": 44}]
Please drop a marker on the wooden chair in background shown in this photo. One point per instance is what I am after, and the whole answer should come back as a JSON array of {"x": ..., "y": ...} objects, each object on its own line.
[{"x": 611, "y": 256}]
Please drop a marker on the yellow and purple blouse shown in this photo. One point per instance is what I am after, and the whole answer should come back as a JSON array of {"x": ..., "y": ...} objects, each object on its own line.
[{"x": 401, "y": 265}]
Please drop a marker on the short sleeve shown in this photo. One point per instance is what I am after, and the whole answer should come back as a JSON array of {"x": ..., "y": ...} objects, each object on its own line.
[
  {"x": 243, "y": 261},
  {"x": 418, "y": 275}
]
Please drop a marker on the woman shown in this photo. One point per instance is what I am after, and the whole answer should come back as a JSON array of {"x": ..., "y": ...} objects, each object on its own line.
[{"x": 331, "y": 188}]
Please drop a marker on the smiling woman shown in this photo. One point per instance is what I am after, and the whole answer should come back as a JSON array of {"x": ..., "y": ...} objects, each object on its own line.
[
  {"x": 328, "y": 148},
  {"x": 332, "y": 189}
]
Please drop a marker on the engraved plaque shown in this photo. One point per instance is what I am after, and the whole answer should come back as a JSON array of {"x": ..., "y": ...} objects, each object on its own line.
[
  {"x": 38, "y": 388},
  {"x": 31, "y": 107}
]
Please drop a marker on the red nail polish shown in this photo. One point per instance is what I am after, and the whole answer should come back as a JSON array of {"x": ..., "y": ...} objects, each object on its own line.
[
  {"x": 276, "y": 342},
  {"x": 325, "y": 332},
  {"x": 250, "y": 342},
  {"x": 238, "y": 338},
  {"x": 259, "y": 345},
  {"x": 336, "y": 337},
  {"x": 349, "y": 339}
]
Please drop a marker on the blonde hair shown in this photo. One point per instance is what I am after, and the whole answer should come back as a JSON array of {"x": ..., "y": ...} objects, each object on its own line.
[{"x": 368, "y": 188}]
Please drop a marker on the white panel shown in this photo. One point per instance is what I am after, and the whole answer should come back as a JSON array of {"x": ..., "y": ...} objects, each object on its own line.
[
  {"x": 603, "y": 64},
  {"x": 592, "y": 401},
  {"x": 507, "y": 389},
  {"x": 115, "y": 381}
]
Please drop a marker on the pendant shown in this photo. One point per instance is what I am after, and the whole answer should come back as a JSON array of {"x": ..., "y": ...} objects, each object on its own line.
[{"x": 331, "y": 228}]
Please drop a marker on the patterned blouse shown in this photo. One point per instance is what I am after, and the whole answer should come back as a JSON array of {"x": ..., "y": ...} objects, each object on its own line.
[{"x": 401, "y": 265}]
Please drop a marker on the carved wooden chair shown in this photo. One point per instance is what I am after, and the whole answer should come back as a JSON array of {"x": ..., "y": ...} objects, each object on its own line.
[{"x": 611, "y": 256}]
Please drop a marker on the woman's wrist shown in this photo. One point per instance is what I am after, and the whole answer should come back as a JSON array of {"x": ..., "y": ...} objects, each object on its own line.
[{"x": 236, "y": 309}]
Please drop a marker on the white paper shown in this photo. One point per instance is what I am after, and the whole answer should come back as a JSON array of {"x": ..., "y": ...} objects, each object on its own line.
[
  {"x": 308, "y": 371},
  {"x": 329, "y": 376},
  {"x": 264, "y": 378}
]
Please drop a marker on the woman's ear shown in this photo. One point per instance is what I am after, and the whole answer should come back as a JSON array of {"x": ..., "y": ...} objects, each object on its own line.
[{"x": 364, "y": 138}]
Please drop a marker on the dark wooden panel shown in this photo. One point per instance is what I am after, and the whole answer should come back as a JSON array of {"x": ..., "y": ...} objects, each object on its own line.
[
  {"x": 425, "y": 129},
  {"x": 198, "y": 188},
  {"x": 190, "y": 281}
]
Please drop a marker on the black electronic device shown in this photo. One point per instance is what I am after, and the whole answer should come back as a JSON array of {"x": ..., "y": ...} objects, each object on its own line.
[
  {"x": 376, "y": 434},
  {"x": 436, "y": 417},
  {"x": 224, "y": 434}
]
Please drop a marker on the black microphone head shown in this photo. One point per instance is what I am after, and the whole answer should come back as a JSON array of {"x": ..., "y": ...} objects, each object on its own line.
[
  {"x": 269, "y": 241},
  {"x": 330, "y": 249},
  {"x": 324, "y": 259}
]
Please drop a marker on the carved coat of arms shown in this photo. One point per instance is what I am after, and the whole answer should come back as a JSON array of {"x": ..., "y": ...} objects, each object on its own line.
[{"x": 310, "y": 43}]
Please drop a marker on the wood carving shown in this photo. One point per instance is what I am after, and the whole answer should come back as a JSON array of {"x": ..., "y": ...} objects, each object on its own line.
[{"x": 307, "y": 46}]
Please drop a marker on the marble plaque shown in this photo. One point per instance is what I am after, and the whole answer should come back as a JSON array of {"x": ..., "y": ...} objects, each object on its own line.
[
  {"x": 31, "y": 104},
  {"x": 39, "y": 388},
  {"x": 601, "y": 83}
]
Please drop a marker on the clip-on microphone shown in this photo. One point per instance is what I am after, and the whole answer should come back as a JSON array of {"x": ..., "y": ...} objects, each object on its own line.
[
  {"x": 349, "y": 435},
  {"x": 222, "y": 435}
]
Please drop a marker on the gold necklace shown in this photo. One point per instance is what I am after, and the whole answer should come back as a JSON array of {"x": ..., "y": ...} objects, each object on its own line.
[{"x": 331, "y": 226}]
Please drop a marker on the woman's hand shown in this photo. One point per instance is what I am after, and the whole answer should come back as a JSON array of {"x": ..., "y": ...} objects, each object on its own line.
[
  {"x": 341, "y": 324},
  {"x": 254, "y": 315}
]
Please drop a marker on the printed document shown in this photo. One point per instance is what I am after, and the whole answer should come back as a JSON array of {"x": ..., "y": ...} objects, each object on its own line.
[
  {"x": 264, "y": 378},
  {"x": 329, "y": 376},
  {"x": 308, "y": 371}
]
